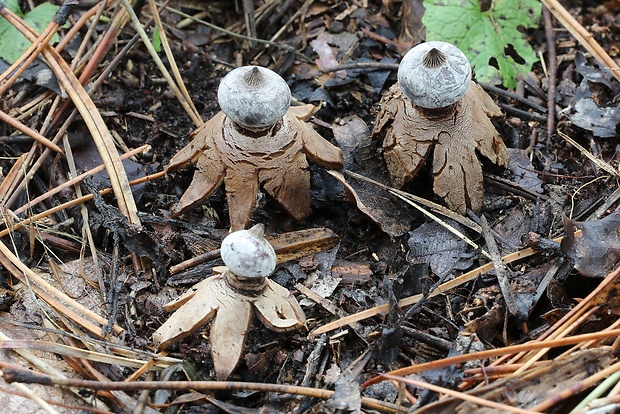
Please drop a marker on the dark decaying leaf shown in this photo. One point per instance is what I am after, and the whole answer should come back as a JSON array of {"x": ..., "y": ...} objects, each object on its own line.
[
  {"x": 347, "y": 395},
  {"x": 353, "y": 138},
  {"x": 596, "y": 250},
  {"x": 523, "y": 170},
  {"x": 378, "y": 205},
  {"x": 443, "y": 251},
  {"x": 359, "y": 153},
  {"x": 587, "y": 114},
  {"x": 587, "y": 110},
  {"x": 39, "y": 73},
  {"x": 593, "y": 73}
]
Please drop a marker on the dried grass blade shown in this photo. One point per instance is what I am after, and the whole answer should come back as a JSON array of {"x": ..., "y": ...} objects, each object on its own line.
[
  {"x": 48, "y": 369},
  {"x": 599, "y": 163},
  {"x": 4, "y": 117},
  {"x": 12, "y": 179},
  {"x": 72, "y": 352},
  {"x": 583, "y": 36},
  {"x": 91, "y": 116},
  {"x": 147, "y": 42},
  {"x": 24, "y": 274},
  {"x": 172, "y": 62}
]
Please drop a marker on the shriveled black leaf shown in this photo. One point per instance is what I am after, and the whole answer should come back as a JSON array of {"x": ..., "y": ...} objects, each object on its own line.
[
  {"x": 443, "y": 251},
  {"x": 587, "y": 110},
  {"x": 596, "y": 250},
  {"x": 523, "y": 170},
  {"x": 358, "y": 150},
  {"x": 347, "y": 395}
]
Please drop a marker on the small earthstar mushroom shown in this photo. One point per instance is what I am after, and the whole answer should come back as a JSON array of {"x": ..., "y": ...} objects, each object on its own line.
[
  {"x": 436, "y": 106},
  {"x": 229, "y": 297},
  {"x": 257, "y": 140}
]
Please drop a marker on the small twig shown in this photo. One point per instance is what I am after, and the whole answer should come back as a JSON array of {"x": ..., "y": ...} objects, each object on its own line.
[
  {"x": 287, "y": 48},
  {"x": 598, "y": 162},
  {"x": 511, "y": 95},
  {"x": 460, "y": 395},
  {"x": 583, "y": 36},
  {"x": 312, "y": 363},
  {"x": 427, "y": 338},
  {"x": 505, "y": 242},
  {"x": 14, "y": 373},
  {"x": 195, "y": 261},
  {"x": 515, "y": 188},
  {"x": 523, "y": 114},
  {"x": 363, "y": 65},
  {"x": 288, "y": 246},
  {"x": 552, "y": 68},
  {"x": 502, "y": 273}
]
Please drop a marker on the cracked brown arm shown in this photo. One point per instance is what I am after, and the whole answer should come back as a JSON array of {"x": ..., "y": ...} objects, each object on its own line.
[
  {"x": 317, "y": 149},
  {"x": 207, "y": 178},
  {"x": 241, "y": 184}
]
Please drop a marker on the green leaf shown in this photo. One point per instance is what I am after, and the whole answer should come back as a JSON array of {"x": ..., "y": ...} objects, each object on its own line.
[
  {"x": 14, "y": 44},
  {"x": 491, "y": 38},
  {"x": 156, "y": 41}
]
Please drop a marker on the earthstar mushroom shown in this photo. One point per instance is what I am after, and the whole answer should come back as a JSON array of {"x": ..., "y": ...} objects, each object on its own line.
[
  {"x": 256, "y": 140},
  {"x": 436, "y": 106},
  {"x": 230, "y": 297}
]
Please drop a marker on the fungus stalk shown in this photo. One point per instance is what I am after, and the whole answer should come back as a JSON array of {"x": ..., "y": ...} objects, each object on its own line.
[
  {"x": 255, "y": 141},
  {"x": 230, "y": 298},
  {"x": 437, "y": 107}
]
